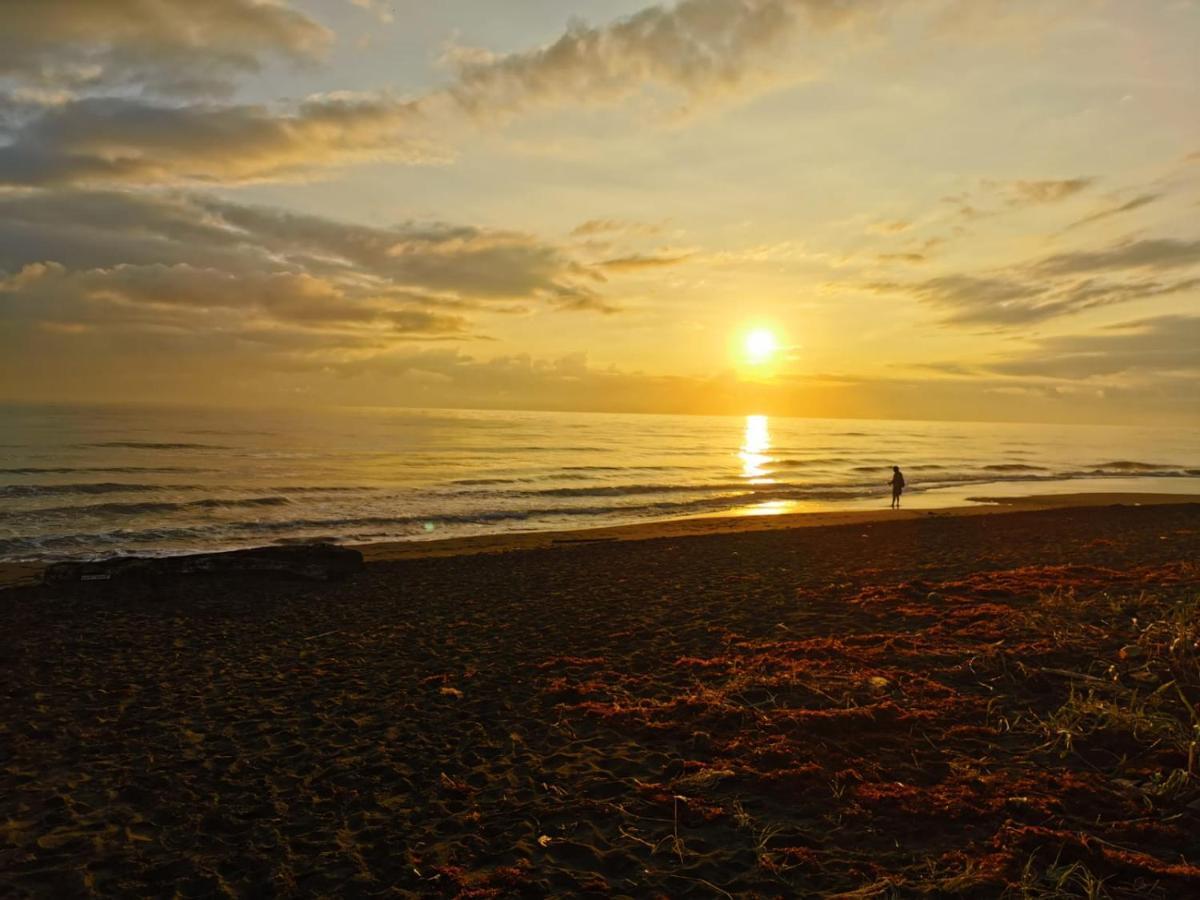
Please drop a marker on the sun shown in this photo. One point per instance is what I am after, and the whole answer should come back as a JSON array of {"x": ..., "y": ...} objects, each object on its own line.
[{"x": 761, "y": 345}]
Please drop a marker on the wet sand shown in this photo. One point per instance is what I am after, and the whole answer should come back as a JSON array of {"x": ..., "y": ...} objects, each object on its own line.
[
  {"x": 740, "y": 523},
  {"x": 945, "y": 705}
]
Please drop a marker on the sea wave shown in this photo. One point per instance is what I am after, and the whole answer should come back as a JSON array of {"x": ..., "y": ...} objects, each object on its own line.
[
  {"x": 71, "y": 470},
  {"x": 818, "y": 461},
  {"x": 1125, "y": 465},
  {"x": 480, "y": 482},
  {"x": 95, "y": 487},
  {"x": 152, "y": 445},
  {"x": 316, "y": 489},
  {"x": 1110, "y": 471},
  {"x": 139, "y": 508},
  {"x": 624, "y": 490}
]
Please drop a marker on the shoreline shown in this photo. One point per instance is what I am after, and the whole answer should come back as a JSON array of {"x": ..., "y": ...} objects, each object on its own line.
[
  {"x": 22, "y": 574},
  {"x": 734, "y": 523}
]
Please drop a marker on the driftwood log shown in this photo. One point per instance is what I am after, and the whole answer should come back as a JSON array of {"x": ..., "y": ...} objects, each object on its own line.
[{"x": 320, "y": 562}]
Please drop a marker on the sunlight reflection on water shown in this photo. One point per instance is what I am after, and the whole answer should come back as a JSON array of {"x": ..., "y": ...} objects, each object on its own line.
[
  {"x": 755, "y": 443},
  {"x": 771, "y": 508}
]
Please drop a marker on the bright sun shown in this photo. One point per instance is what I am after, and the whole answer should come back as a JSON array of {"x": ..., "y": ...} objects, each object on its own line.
[{"x": 761, "y": 345}]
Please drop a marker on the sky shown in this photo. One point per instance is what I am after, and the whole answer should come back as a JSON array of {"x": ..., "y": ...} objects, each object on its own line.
[{"x": 940, "y": 209}]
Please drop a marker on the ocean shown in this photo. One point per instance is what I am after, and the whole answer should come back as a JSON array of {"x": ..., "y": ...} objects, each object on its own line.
[{"x": 91, "y": 482}]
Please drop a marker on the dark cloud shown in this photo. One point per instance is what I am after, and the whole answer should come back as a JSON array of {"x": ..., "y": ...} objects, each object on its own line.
[
  {"x": 140, "y": 142},
  {"x": 165, "y": 46}
]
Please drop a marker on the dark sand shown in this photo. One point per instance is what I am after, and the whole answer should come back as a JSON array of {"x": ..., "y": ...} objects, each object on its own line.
[{"x": 932, "y": 706}]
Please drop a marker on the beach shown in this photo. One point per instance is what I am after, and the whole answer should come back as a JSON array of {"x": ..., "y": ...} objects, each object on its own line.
[{"x": 936, "y": 702}]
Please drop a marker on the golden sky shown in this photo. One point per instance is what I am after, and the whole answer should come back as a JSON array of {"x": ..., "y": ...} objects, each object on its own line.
[{"x": 975, "y": 209}]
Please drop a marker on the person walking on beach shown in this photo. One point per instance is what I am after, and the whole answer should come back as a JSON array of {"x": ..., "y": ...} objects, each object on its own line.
[{"x": 897, "y": 484}]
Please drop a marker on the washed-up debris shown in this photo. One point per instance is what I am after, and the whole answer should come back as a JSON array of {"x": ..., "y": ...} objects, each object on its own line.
[{"x": 320, "y": 562}]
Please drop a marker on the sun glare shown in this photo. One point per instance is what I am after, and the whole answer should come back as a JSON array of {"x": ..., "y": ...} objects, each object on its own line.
[{"x": 761, "y": 345}]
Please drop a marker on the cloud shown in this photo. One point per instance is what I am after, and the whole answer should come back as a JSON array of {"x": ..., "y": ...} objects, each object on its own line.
[
  {"x": 638, "y": 262},
  {"x": 1025, "y": 193},
  {"x": 594, "y": 227},
  {"x": 1157, "y": 254},
  {"x": 911, "y": 258},
  {"x": 597, "y": 226},
  {"x": 890, "y": 226},
  {"x": 700, "y": 48},
  {"x": 114, "y": 262},
  {"x": 572, "y": 382},
  {"x": 582, "y": 299},
  {"x": 971, "y": 298},
  {"x": 269, "y": 350},
  {"x": 1054, "y": 286},
  {"x": 486, "y": 264},
  {"x": 141, "y": 142},
  {"x": 164, "y": 46},
  {"x": 1008, "y": 300},
  {"x": 450, "y": 377},
  {"x": 991, "y": 198},
  {"x": 129, "y": 50},
  {"x": 1163, "y": 345},
  {"x": 106, "y": 133},
  {"x": 380, "y": 9},
  {"x": 105, "y": 229},
  {"x": 182, "y": 297},
  {"x": 1107, "y": 213}
]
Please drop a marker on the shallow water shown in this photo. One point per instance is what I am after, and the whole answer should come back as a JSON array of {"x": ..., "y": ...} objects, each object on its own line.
[{"x": 104, "y": 480}]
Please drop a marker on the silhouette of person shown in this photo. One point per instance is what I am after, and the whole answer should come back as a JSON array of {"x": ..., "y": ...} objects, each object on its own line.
[{"x": 897, "y": 484}]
